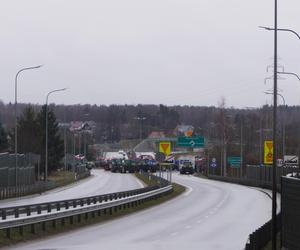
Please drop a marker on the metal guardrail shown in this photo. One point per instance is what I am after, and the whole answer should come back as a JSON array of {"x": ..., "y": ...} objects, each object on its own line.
[{"x": 19, "y": 216}]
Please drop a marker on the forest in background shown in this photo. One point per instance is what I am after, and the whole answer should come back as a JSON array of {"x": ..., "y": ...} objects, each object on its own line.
[{"x": 219, "y": 125}]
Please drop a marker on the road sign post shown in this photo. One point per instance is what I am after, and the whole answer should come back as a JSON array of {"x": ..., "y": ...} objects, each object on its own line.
[
  {"x": 268, "y": 152},
  {"x": 234, "y": 162},
  {"x": 165, "y": 148},
  {"x": 213, "y": 164}
]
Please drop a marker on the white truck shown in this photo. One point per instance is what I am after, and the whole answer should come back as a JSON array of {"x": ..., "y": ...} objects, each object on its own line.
[{"x": 186, "y": 164}]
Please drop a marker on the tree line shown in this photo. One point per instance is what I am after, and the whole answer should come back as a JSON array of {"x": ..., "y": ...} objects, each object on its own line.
[
  {"x": 221, "y": 126},
  {"x": 31, "y": 136}
]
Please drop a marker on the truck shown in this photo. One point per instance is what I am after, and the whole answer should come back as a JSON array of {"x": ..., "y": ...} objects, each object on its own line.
[
  {"x": 186, "y": 167},
  {"x": 186, "y": 164}
]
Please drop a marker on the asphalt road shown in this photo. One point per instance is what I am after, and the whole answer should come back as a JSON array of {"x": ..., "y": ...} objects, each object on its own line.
[
  {"x": 101, "y": 182},
  {"x": 210, "y": 215}
]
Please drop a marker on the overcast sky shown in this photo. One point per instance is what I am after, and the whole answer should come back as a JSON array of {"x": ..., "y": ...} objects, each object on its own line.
[{"x": 175, "y": 52}]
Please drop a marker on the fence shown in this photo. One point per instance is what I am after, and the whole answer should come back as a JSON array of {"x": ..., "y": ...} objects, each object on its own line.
[
  {"x": 258, "y": 176},
  {"x": 290, "y": 207},
  {"x": 24, "y": 173},
  {"x": 262, "y": 236},
  {"x": 261, "y": 176}
]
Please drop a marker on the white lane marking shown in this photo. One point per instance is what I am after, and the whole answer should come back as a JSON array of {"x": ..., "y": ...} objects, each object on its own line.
[
  {"x": 199, "y": 221},
  {"x": 174, "y": 233},
  {"x": 139, "y": 182},
  {"x": 190, "y": 189},
  {"x": 188, "y": 227}
]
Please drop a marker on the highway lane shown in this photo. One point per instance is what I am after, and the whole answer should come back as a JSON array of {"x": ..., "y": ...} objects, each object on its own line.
[
  {"x": 101, "y": 182},
  {"x": 210, "y": 215}
]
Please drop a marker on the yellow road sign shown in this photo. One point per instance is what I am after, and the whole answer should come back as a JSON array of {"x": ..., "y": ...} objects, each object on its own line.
[
  {"x": 268, "y": 152},
  {"x": 165, "y": 148}
]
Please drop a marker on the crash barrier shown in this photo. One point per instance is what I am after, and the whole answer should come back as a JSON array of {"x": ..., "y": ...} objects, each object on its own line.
[
  {"x": 25, "y": 171},
  {"x": 290, "y": 210},
  {"x": 262, "y": 236},
  {"x": 31, "y": 215}
]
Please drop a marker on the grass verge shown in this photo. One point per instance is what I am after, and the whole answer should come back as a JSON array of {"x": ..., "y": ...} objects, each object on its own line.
[
  {"x": 69, "y": 224},
  {"x": 62, "y": 178}
]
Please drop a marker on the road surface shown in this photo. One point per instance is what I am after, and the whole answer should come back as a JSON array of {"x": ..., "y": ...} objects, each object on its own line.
[
  {"x": 209, "y": 215},
  {"x": 101, "y": 182}
]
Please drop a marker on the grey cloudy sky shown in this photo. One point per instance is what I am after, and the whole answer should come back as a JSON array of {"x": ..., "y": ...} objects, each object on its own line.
[{"x": 175, "y": 52}]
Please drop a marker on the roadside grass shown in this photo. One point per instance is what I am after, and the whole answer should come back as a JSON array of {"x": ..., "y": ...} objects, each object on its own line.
[
  {"x": 62, "y": 178},
  {"x": 92, "y": 218},
  {"x": 201, "y": 175}
]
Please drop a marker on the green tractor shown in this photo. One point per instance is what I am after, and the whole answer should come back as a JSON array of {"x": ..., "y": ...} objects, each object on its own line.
[{"x": 128, "y": 166}]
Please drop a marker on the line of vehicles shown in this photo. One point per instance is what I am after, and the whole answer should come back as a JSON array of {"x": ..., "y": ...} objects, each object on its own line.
[{"x": 119, "y": 162}]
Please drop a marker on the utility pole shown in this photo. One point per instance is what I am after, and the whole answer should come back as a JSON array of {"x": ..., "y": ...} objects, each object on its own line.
[
  {"x": 274, "y": 179},
  {"x": 241, "y": 150}
]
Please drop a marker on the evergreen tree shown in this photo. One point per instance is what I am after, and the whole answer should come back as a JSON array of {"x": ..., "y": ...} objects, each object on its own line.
[
  {"x": 28, "y": 132},
  {"x": 55, "y": 143},
  {"x": 3, "y": 139}
]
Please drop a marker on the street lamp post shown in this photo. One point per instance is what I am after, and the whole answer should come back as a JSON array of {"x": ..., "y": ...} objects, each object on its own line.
[
  {"x": 289, "y": 73},
  {"x": 288, "y": 30},
  {"x": 46, "y": 111},
  {"x": 283, "y": 121},
  {"x": 16, "y": 120},
  {"x": 297, "y": 76},
  {"x": 274, "y": 179},
  {"x": 141, "y": 119}
]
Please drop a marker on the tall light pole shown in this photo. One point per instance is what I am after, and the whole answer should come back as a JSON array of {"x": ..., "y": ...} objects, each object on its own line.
[
  {"x": 46, "y": 111},
  {"x": 288, "y": 30},
  {"x": 283, "y": 121},
  {"x": 274, "y": 180},
  {"x": 16, "y": 120},
  {"x": 274, "y": 177},
  {"x": 141, "y": 119},
  {"x": 289, "y": 73}
]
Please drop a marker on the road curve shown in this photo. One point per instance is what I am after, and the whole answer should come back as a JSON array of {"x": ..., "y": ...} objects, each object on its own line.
[
  {"x": 210, "y": 215},
  {"x": 100, "y": 182}
]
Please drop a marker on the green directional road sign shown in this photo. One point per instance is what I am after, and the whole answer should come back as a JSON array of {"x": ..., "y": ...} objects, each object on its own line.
[
  {"x": 190, "y": 142},
  {"x": 234, "y": 162}
]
